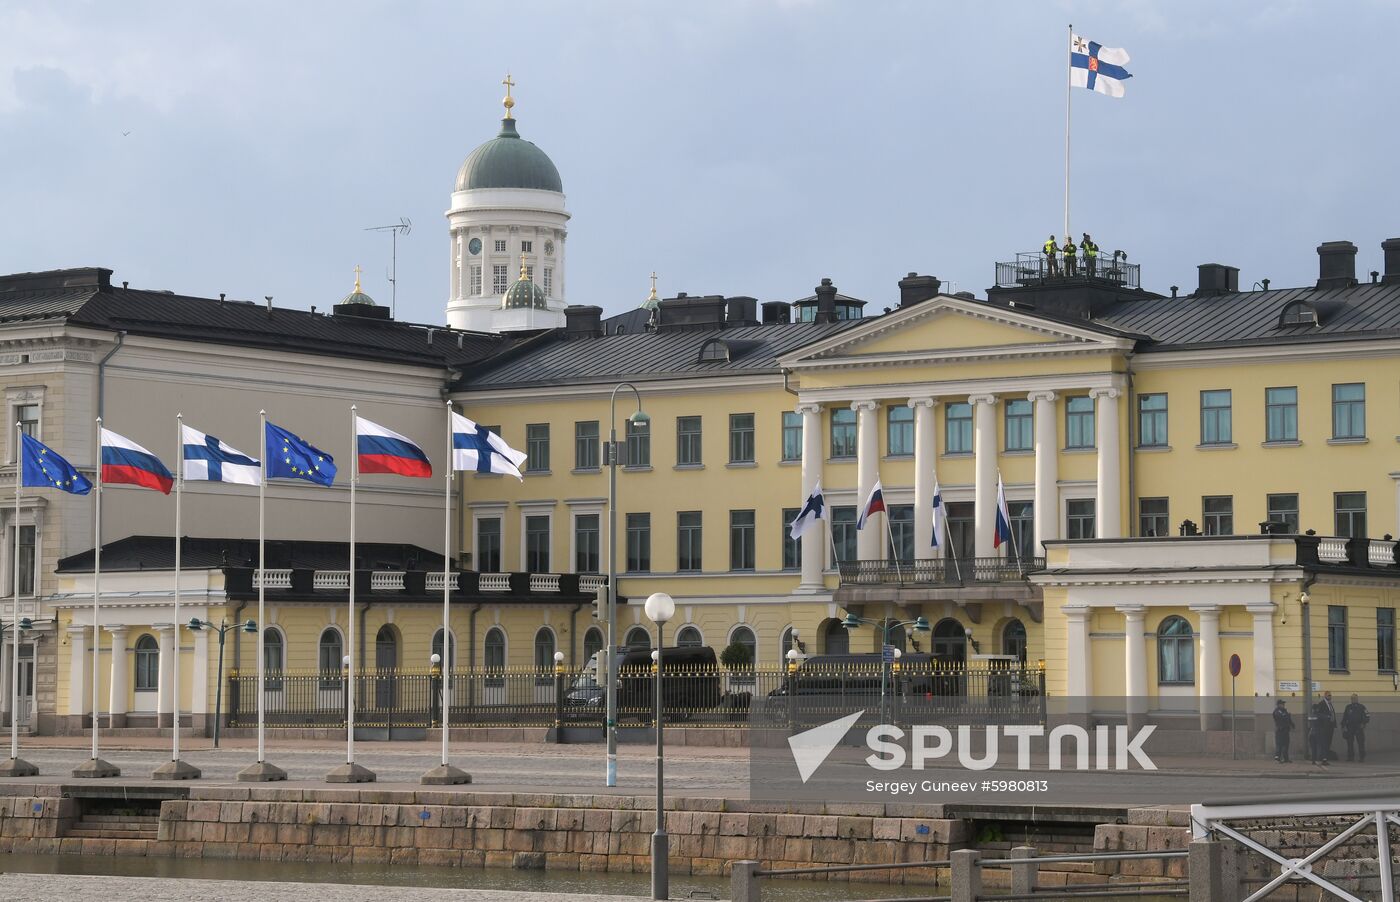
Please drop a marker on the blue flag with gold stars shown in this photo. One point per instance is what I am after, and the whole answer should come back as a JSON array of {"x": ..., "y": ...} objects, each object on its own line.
[
  {"x": 290, "y": 457},
  {"x": 42, "y": 467}
]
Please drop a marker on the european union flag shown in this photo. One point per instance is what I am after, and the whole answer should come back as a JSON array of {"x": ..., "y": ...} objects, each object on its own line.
[
  {"x": 42, "y": 467},
  {"x": 290, "y": 457}
]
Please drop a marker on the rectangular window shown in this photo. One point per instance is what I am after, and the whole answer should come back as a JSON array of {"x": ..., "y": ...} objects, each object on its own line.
[
  {"x": 1152, "y": 421},
  {"x": 899, "y": 431},
  {"x": 1215, "y": 418},
  {"x": 688, "y": 442},
  {"x": 1153, "y": 518},
  {"x": 1218, "y": 514},
  {"x": 741, "y": 540},
  {"x": 537, "y": 544},
  {"x": 500, "y": 278},
  {"x": 1023, "y": 528},
  {"x": 1385, "y": 639},
  {"x": 475, "y": 279},
  {"x": 689, "y": 537},
  {"x": 500, "y": 245},
  {"x": 488, "y": 545},
  {"x": 843, "y": 432},
  {"x": 537, "y": 448},
  {"x": 741, "y": 438},
  {"x": 1020, "y": 424},
  {"x": 638, "y": 445},
  {"x": 548, "y": 284},
  {"x": 1284, "y": 509},
  {"x": 957, "y": 428},
  {"x": 26, "y": 560},
  {"x": 792, "y": 435},
  {"x": 792, "y": 548},
  {"x": 586, "y": 543},
  {"x": 28, "y": 417},
  {"x": 527, "y": 247},
  {"x": 901, "y": 533},
  {"x": 586, "y": 445},
  {"x": 843, "y": 533},
  {"x": 1336, "y": 637},
  {"x": 1079, "y": 518},
  {"x": 1350, "y": 510},
  {"x": 1079, "y": 422},
  {"x": 1281, "y": 414},
  {"x": 1349, "y": 410},
  {"x": 639, "y": 543}
]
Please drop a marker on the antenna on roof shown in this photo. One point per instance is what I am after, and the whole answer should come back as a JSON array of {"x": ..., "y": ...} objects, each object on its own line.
[{"x": 404, "y": 225}]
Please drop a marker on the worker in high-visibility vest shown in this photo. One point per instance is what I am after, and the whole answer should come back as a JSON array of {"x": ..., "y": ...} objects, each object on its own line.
[
  {"x": 1091, "y": 254},
  {"x": 1069, "y": 250},
  {"x": 1052, "y": 260}
]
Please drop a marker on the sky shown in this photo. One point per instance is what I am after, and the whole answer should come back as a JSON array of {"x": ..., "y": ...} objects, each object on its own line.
[{"x": 741, "y": 148}]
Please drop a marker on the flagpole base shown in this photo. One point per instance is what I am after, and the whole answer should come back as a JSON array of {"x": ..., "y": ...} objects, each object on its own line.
[
  {"x": 96, "y": 769},
  {"x": 445, "y": 775},
  {"x": 17, "y": 767},
  {"x": 176, "y": 769},
  {"x": 261, "y": 772},
  {"x": 350, "y": 773}
]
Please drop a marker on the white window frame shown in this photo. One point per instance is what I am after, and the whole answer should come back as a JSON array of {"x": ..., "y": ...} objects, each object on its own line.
[
  {"x": 21, "y": 396},
  {"x": 585, "y": 507},
  {"x": 530, "y": 509},
  {"x": 488, "y": 511},
  {"x": 28, "y": 516}
]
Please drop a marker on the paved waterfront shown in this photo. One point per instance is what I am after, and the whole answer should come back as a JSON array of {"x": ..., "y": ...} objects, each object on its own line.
[{"x": 47, "y": 887}]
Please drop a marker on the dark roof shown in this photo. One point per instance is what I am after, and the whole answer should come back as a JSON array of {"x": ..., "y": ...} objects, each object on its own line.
[
  {"x": 648, "y": 355},
  {"x": 135, "y": 553},
  {"x": 631, "y": 321},
  {"x": 86, "y": 297}
]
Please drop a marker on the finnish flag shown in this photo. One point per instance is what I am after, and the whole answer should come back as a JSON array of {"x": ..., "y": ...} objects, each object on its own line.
[
  {"x": 812, "y": 511},
  {"x": 1096, "y": 67},
  {"x": 206, "y": 459},
  {"x": 478, "y": 448}
]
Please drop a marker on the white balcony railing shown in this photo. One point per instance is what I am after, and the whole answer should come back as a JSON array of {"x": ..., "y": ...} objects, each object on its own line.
[
  {"x": 386, "y": 580},
  {"x": 1332, "y": 550},
  {"x": 544, "y": 582},
  {"x": 494, "y": 582},
  {"x": 1381, "y": 553},
  {"x": 331, "y": 579},
  {"x": 435, "y": 581},
  {"x": 276, "y": 579},
  {"x": 591, "y": 582}
]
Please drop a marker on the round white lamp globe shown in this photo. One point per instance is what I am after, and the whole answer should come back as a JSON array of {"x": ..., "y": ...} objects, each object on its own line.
[{"x": 660, "y": 607}]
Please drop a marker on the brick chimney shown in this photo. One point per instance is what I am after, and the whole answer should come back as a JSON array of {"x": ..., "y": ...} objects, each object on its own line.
[
  {"x": 1336, "y": 264},
  {"x": 826, "y": 302},
  {"x": 583, "y": 321},
  {"x": 914, "y": 288},
  {"x": 1217, "y": 278}
]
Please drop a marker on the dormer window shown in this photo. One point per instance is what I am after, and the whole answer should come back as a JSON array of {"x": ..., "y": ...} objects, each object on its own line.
[
  {"x": 714, "y": 349},
  {"x": 1298, "y": 313}
]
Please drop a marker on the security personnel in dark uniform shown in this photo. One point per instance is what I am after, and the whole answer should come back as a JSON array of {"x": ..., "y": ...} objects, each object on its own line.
[
  {"x": 1091, "y": 254},
  {"x": 1283, "y": 732},
  {"x": 1354, "y": 720},
  {"x": 1052, "y": 261},
  {"x": 1324, "y": 724},
  {"x": 1069, "y": 249}
]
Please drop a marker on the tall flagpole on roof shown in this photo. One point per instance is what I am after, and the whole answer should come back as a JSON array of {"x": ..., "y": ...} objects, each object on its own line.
[{"x": 1069, "y": 64}]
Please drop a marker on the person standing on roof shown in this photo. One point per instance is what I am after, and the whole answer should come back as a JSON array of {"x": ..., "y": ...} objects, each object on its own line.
[
  {"x": 1091, "y": 254},
  {"x": 1070, "y": 268},
  {"x": 1052, "y": 260}
]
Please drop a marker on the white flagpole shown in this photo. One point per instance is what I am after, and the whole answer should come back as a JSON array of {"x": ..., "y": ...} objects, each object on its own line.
[
  {"x": 1068, "y": 94},
  {"x": 96, "y": 585},
  {"x": 350, "y": 626},
  {"x": 179, "y": 496},
  {"x": 447, "y": 656},
  {"x": 262, "y": 590},
  {"x": 14, "y": 619},
  {"x": 893, "y": 551}
]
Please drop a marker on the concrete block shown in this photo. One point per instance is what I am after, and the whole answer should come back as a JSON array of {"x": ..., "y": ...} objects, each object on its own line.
[
  {"x": 734, "y": 825},
  {"x": 854, "y": 827},
  {"x": 822, "y": 826}
]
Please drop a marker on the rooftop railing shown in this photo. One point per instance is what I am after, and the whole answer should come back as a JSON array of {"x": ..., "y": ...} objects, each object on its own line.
[
  {"x": 1033, "y": 270},
  {"x": 961, "y": 572}
]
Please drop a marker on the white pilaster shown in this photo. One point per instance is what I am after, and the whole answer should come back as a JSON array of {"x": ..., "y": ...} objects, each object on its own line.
[
  {"x": 6, "y": 649},
  {"x": 1134, "y": 658},
  {"x": 1108, "y": 506},
  {"x": 78, "y": 678},
  {"x": 1208, "y": 679},
  {"x": 1047, "y": 467},
  {"x": 118, "y": 685},
  {"x": 814, "y": 539},
  {"x": 870, "y": 540},
  {"x": 199, "y": 680},
  {"x": 1264, "y": 675},
  {"x": 1078, "y": 657},
  {"x": 165, "y": 693},
  {"x": 984, "y": 449},
  {"x": 925, "y": 458}
]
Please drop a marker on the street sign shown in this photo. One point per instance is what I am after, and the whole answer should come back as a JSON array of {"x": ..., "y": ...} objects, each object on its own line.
[
  {"x": 1234, "y": 710},
  {"x": 1289, "y": 686},
  {"x": 1234, "y": 665},
  {"x": 888, "y": 654}
]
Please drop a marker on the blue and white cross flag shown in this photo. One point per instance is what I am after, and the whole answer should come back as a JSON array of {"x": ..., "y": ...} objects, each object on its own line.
[
  {"x": 477, "y": 448},
  {"x": 1096, "y": 67},
  {"x": 205, "y": 458},
  {"x": 812, "y": 511}
]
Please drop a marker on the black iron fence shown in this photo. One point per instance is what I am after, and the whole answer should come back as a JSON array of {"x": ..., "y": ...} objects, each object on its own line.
[
  {"x": 928, "y": 690},
  {"x": 947, "y": 571},
  {"x": 1033, "y": 268}
]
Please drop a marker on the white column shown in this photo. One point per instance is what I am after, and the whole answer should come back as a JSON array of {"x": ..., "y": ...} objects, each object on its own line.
[
  {"x": 814, "y": 539},
  {"x": 1264, "y": 675},
  {"x": 118, "y": 685},
  {"x": 78, "y": 678},
  {"x": 165, "y": 687},
  {"x": 870, "y": 540},
  {"x": 925, "y": 459},
  {"x": 1047, "y": 467},
  {"x": 1079, "y": 659},
  {"x": 1134, "y": 658},
  {"x": 1108, "y": 506},
  {"x": 6, "y": 649},
  {"x": 984, "y": 449},
  {"x": 1208, "y": 678},
  {"x": 199, "y": 679}
]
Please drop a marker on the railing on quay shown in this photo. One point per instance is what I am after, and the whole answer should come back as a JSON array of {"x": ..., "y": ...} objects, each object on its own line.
[
  {"x": 945, "y": 571},
  {"x": 918, "y": 691}
]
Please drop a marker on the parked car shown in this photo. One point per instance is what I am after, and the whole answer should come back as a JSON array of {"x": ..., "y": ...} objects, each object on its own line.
[{"x": 691, "y": 683}]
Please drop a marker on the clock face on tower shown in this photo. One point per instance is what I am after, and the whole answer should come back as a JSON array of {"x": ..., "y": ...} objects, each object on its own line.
[
  {"x": 474, "y": 246},
  {"x": 549, "y": 247}
]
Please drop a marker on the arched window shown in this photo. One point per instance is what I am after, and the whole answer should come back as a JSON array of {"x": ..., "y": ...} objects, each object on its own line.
[
  {"x": 330, "y": 656},
  {"x": 449, "y": 660},
  {"x": 948, "y": 641},
  {"x": 1176, "y": 652},
  {"x": 742, "y": 635},
  {"x": 835, "y": 639},
  {"x": 147, "y": 664},
  {"x": 714, "y": 349},
  {"x": 495, "y": 648},
  {"x": 592, "y": 643},
  {"x": 785, "y": 645},
  {"x": 638, "y": 639},
  {"x": 1013, "y": 639},
  {"x": 544, "y": 649},
  {"x": 386, "y": 648},
  {"x": 689, "y": 637},
  {"x": 274, "y": 657}
]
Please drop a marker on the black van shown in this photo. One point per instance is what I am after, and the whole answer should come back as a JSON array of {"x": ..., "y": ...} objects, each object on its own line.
[{"x": 691, "y": 684}]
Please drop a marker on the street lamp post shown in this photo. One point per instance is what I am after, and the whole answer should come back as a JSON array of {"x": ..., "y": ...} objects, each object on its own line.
[
  {"x": 920, "y": 624},
  {"x": 639, "y": 420},
  {"x": 16, "y": 766},
  {"x": 195, "y": 625},
  {"x": 660, "y": 607},
  {"x": 435, "y": 674}
]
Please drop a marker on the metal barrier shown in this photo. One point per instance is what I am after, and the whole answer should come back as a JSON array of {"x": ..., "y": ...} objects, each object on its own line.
[{"x": 945, "y": 571}]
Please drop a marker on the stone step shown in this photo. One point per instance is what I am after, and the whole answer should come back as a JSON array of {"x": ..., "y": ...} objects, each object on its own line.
[
  {"x": 91, "y": 833},
  {"x": 121, "y": 819}
]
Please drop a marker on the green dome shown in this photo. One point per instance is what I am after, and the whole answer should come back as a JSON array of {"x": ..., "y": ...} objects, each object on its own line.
[
  {"x": 509, "y": 161},
  {"x": 358, "y": 297},
  {"x": 524, "y": 294}
]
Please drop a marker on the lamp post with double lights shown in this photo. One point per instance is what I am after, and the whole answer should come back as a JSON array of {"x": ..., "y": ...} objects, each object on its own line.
[
  {"x": 920, "y": 625},
  {"x": 639, "y": 421},
  {"x": 660, "y": 607},
  {"x": 247, "y": 626},
  {"x": 16, "y": 766}
]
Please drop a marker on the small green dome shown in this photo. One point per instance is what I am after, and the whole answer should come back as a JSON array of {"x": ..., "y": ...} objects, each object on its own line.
[
  {"x": 509, "y": 161},
  {"x": 357, "y": 296},
  {"x": 524, "y": 294}
]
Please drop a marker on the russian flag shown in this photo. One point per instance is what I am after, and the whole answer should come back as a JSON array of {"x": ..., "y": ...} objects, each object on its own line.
[
  {"x": 382, "y": 450},
  {"x": 1003, "y": 527},
  {"x": 874, "y": 504},
  {"x": 126, "y": 463}
]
